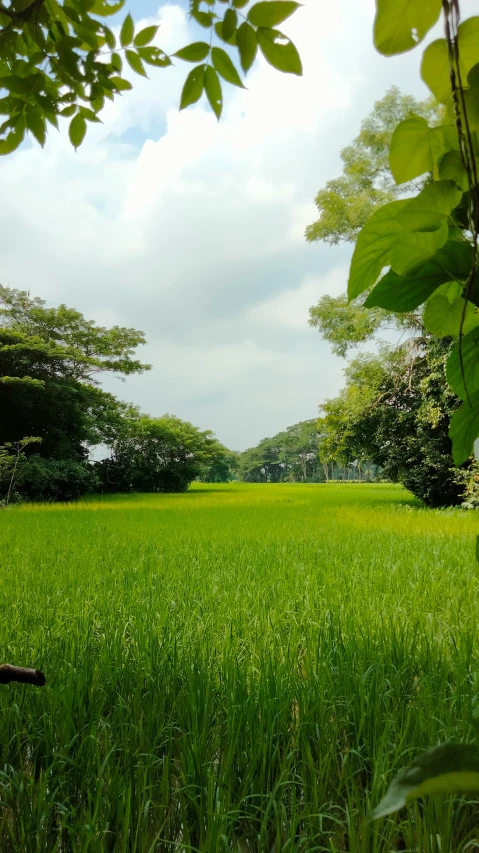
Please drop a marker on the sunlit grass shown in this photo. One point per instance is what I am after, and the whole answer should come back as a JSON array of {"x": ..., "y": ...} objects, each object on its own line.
[{"x": 235, "y": 668}]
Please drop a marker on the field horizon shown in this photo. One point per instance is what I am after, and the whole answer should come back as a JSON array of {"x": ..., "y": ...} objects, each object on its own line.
[{"x": 235, "y": 668}]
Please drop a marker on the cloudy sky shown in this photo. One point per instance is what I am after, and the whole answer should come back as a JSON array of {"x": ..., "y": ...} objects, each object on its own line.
[{"x": 193, "y": 231}]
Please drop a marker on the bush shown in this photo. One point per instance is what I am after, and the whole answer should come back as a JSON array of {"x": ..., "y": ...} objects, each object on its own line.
[{"x": 55, "y": 479}]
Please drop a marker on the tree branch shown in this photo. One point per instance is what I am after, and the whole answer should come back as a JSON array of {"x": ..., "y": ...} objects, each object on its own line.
[
  {"x": 21, "y": 17},
  {"x": 10, "y": 673}
]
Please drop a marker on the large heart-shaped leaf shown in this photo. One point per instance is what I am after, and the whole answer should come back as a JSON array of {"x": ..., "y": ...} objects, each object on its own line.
[
  {"x": 401, "y": 24},
  {"x": 373, "y": 247},
  {"x": 415, "y": 149}
]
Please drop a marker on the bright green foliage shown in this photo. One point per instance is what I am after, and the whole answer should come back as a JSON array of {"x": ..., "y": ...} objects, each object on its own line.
[
  {"x": 345, "y": 324},
  {"x": 61, "y": 59},
  {"x": 432, "y": 240},
  {"x": 290, "y": 456},
  {"x": 221, "y": 669},
  {"x": 400, "y": 25},
  {"x": 346, "y": 203},
  {"x": 451, "y": 768}
]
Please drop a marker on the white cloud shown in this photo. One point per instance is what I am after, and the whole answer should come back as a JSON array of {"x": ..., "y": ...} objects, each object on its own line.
[{"x": 193, "y": 230}]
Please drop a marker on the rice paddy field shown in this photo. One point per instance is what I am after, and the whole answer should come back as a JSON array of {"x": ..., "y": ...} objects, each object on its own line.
[{"x": 239, "y": 668}]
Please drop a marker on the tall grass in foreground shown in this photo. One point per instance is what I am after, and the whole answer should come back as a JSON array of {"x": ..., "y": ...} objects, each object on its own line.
[{"x": 238, "y": 668}]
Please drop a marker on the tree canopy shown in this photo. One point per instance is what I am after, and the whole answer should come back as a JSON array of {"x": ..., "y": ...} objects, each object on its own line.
[{"x": 60, "y": 59}]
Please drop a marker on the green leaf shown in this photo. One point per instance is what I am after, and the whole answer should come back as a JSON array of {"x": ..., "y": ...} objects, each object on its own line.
[
  {"x": 405, "y": 293},
  {"x": 415, "y": 149},
  {"x": 89, "y": 115},
  {"x": 219, "y": 33},
  {"x": 443, "y": 316},
  {"x": 35, "y": 122},
  {"x": 205, "y": 19},
  {"x": 462, "y": 369},
  {"x": 413, "y": 248},
  {"x": 154, "y": 56},
  {"x": 77, "y": 131},
  {"x": 464, "y": 429},
  {"x": 135, "y": 62},
  {"x": 373, "y": 247},
  {"x": 14, "y": 138},
  {"x": 401, "y": 24},
  {"x": 446, "y": 769},
  {"x": 195, "y": 52},
  {"x": 435, "y": 70},
  {"x": 468, "y": 40},
  {"x": 193, "y": 88},
  {"x": 17, "y": 85},
  {"x": 145, "y": 36},
  {"x": 247, "y": 45},
  {"x": 240, "y": 4},
  {"x": 230, "y": 22},
  {"x": 429, "y": 209},
  {"x": 271, "y": 13},
  {"x": 117, "y": 62},
  {"x": 451, "y": 168},
  {"x": 127, "y": 31},
  {"x": 224, "y": 66},
  {"x": 69, "y": 111},
  {"x": 279, "y": 51},
  {"x": 120, "y": 84},
  {"x": 213, "y": 91},
  {"x": 105, "y": 7}
]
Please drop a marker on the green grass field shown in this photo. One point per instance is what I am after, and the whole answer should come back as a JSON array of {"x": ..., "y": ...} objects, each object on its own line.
[{"x": 239, "y": 668}]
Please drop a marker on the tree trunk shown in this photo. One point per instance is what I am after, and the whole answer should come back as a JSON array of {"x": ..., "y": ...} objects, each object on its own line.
[{"x": 10, "y": 673}]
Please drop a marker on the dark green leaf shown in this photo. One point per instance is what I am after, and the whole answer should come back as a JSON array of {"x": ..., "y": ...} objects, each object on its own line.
[
  {"x": 451, "y": 168},
  {"x": 117, "y": 62},
  {"x": 240, "y": 4},
  {"x": 219, "y": 33},
  {"x": 405, "y": 293},
  {"x": 464, "y": 429},
  {"x": 230, "y": 22},
  {"x": 224, "y": 66},
  {"x": 77, "y": 130},
  {"x": 35, "y": 122},
  {"x": 205, "y": 19},
  {"x": 154, "y": 56},
  {"x": 135, "y": 62},
  {"x": 68, "y": 111},
  {"x": 120, "y": 84},
  {"x": 195, "y": 52},
  {"x": 14, "y": 138},
  {"x": 446, "y": 769},
  {"x": 415, "y": 149},
  {"x": 17, "y": 85},
  {"x": 279, "y": 51},
  {"x": 145, "y": 36},
  {"x": 462, "y": 368},
  {"x": 213, "y": 91},
  {"x": 400, "y": 25},
  {"x": 271, "y": 13},
  {"x": 247, "y": 45},
  {"x": 89, "y": 115},
  {"x": 193, "y": 88},
  {"x": 127, "y": 31},
  {"x": 109, "y": 38},
  {"x": 373, "y": 247}
]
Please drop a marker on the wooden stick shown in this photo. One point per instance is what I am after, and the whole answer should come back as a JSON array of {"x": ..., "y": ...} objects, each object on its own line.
[{"x": 10, "y": 673}]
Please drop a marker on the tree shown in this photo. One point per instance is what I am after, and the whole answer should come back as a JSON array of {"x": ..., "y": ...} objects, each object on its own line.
[
  {"x": 347, "y": 202},
  {"x": 290, "y": 455},
  {"x": 50, "y": 359},
  {"x": 222, "y": 468},
  {"x": 60, "y": 59},
  {"x": 157, "y": 455}
]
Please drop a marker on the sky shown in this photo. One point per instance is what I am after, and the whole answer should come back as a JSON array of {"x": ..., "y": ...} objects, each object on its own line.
[{"x": 193, "y": 230}]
